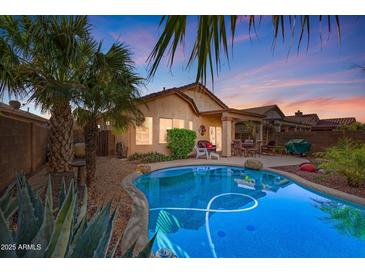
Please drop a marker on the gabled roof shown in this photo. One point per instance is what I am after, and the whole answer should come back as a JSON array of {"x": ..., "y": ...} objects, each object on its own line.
[
  {"x": 6, "y": 109},
  {"x": 306, "y": 119},
  {"x": 264, "y": 109},
  {"x": 171, "y": 91},
  {"x": 180, "y": 92}
]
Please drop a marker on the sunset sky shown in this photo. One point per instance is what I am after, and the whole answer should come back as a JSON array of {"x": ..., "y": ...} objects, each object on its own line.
[{"x": 325, "y": 79}]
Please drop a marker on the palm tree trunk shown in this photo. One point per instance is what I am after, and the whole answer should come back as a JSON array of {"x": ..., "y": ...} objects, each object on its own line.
[
  {"x": 61, "y": 138},
  {"x": 90, "y": 131}
]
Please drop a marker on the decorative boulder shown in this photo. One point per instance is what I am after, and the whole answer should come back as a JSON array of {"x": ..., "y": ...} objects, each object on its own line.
[
  {"x": 143, "y": 168},
  {"x": 309, "y": 167},
  {"x": 79, "y": 150},
  {"x": 253, "y": 164},
  {"x": 165, "y": 253}
]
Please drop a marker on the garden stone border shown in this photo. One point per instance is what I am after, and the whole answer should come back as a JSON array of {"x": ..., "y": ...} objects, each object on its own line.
[{"x": 136, "y": 230}]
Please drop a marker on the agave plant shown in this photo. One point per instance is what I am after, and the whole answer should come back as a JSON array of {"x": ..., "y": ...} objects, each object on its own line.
[{"x": 49, "y": 231}]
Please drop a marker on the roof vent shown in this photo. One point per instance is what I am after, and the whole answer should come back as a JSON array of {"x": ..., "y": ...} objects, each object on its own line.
[
  {"x": 299, "y": 113},
  {"x": 14, "y": 104}
]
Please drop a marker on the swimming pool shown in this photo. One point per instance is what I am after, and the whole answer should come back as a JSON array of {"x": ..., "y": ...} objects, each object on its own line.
[{"x": 222, "y": 211}]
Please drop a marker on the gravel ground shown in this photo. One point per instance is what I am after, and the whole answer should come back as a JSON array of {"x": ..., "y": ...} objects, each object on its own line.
[
  {"x": 109, "y": 175},
  {"x": 334, "y": 181}
]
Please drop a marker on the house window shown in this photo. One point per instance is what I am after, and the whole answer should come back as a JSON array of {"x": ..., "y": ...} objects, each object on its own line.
[
  {"x": 191, "y": 125},
  {"x": 178, "y": 123},
  {"x": 144, "y": 132},
  {"x": 166, "y": 124}
]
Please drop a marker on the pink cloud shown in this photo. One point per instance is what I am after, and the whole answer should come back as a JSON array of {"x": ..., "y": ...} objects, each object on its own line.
[{"x": 325, "y": 107}]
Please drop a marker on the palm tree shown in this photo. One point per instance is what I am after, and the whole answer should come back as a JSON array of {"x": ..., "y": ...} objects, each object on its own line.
[
  {"x": 214, "y": 32},
  {"x": 44, "y": 57},
  {"x": 111, "y": 94}
]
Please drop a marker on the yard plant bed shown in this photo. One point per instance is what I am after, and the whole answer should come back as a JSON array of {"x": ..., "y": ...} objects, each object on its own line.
[{"x": 335, "y": 181}]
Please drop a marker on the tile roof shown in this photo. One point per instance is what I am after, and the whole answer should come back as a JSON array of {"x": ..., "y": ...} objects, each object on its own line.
[
  {"x": 338, "y": 121},
  {"x": 264, "y": 109},
  {"x": 307, "y": 119},
  {"x": 334, "y": 123}
]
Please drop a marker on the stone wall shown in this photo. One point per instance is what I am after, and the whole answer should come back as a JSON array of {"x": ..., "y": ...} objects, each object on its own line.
[
  {"x": 320, "y": 140},
  {"x": 23, "y": 145}
]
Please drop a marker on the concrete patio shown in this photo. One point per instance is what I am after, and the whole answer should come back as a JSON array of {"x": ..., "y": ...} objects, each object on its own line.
[{"x": 268, "y": 161}]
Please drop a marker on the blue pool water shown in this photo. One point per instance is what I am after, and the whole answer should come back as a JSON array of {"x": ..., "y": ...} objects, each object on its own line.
[{"x": 221, "y": 211}]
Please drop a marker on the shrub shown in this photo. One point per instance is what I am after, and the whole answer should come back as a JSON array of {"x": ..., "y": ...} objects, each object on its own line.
[
  {"x": 181, "y": 142},
  {"x": 346, "y": 158},
  {"x": 61, "y": 230},
  {"x": 150, "y": 157}
]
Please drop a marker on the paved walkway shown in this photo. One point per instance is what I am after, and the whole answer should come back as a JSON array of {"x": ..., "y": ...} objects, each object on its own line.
[{"x": 268, "y": 161}]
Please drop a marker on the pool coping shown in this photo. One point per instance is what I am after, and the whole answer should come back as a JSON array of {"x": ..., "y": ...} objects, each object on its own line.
[{"x": 136, "y": 230}]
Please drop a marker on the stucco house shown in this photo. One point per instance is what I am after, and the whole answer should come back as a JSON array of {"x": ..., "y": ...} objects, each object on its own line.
[{"x": 193, "y": 107}]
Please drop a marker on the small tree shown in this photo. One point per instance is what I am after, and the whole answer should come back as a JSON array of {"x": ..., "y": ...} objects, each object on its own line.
[
  {"x": 111, "y": 94},
  {"x": 181, "y": 142},
  {"x": 346, "y": 158}
]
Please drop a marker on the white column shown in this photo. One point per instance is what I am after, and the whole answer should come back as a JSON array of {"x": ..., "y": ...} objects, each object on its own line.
[
  {"x": 261, "y": 132},
  {"x": 227, "y": 136}
]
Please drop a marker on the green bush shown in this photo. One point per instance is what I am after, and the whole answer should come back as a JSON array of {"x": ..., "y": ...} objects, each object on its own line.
[
  {"x": 346, "y": 158},
  {"x": 150, "y": 157},
  {"x": 181, "y": 142},
  {"x": 61, "y": 230}
]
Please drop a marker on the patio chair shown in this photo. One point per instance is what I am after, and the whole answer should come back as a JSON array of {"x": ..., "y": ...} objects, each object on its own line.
[
  {"x": 237, "y": 147},
  {"x": 268, "y": 148},
  {"x": 201, "y": 151},
  {"x": 254, "y": 149},
  {"x": 205, "y": 148},
  {"x": 213, "y": 154}
]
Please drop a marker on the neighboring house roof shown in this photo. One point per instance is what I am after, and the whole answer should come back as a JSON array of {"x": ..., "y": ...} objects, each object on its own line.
[
  {"x": 306, "y": 119},
  {"x": 334, "y": 122},
  {"x": 6, "y": 110},
  {"x": 180, "y": 92},
  {"x": 263, "y": 110},
  {"x": 339, "y": 121}
]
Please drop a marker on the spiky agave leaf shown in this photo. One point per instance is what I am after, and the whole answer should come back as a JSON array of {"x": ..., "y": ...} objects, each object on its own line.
[
  {"x": 102, "y": 247},
  {"x": 91, "y": 238},
  {"x": 5, "y": 237},
  {"x": 6, "y": 197},
  {"x": 79, "y": 231},
  {"x": 59, "y": 242},
  {"x": 146, "y": 251},
  {"x": 11, "y": 208},
  {"x": 83, "y": 209},
  {"x": 62, "y": 194},
  {"x": 36, "y": 201},
  {"x": 27, "y": 226},
  {"x": 45, "y": 232}
]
